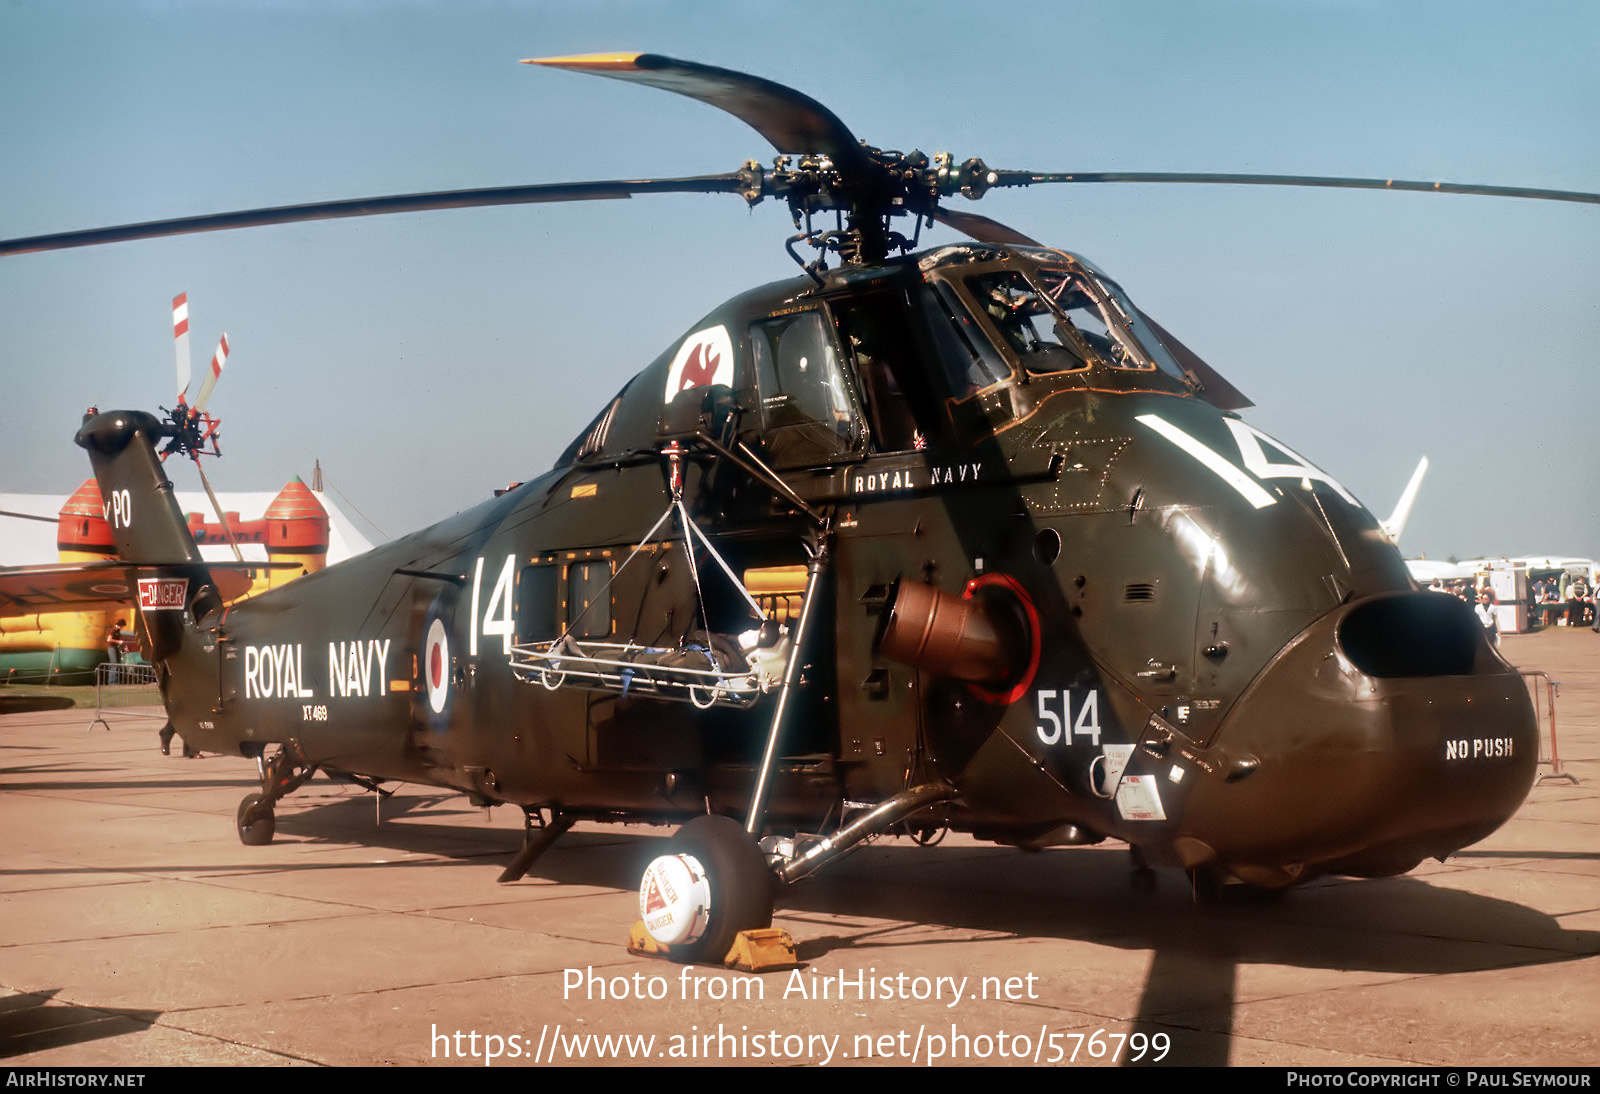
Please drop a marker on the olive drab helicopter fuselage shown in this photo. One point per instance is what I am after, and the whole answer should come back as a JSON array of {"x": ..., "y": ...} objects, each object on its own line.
[
  {"x": 958, "y": 538},
  {"x": 1135, "y": 615}
]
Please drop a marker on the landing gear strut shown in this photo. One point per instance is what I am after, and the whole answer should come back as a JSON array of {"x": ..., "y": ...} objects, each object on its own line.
[
  {"x": 538, "y": 837},
  {"x": 283, "y": 774}
]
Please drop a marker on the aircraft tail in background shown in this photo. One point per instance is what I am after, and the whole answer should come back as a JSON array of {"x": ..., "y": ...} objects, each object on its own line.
[{"x": 1396, "y": 523}]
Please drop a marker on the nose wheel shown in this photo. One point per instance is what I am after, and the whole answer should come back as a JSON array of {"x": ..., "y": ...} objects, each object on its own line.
[{"x": 712, "y": 884}]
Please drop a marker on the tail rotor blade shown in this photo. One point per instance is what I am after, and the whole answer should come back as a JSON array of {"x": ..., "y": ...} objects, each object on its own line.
[
  {"x": 180, "y": 339},
  {"x": 209, "y": 384}
]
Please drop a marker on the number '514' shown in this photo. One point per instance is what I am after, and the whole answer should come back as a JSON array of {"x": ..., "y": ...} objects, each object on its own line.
[{"x": 1066, "y": 714}]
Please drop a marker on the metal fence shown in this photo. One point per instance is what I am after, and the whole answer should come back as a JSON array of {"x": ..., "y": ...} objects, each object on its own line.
[
  {"x": 127, "y": 691},
  {"x": 1544, "y": 691}
]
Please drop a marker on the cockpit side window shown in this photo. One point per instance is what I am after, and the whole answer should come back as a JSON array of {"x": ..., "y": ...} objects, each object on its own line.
[
  {"x": 1108, "y": 322},
  {"x": 968, "y": 359},
  {"x": 807, "y": 409},
  {"x": 1081, "y": 310},
  {"x": 1040, "y": 337},
  {"x": 1153, "y": 343}
]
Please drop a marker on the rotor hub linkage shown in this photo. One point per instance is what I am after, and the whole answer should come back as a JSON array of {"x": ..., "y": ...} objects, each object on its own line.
[
  {"x": 189, "y": 431},
  {"x": 894, "y": 184}
]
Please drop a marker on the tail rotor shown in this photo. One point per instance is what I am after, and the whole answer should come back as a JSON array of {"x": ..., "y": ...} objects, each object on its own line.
[
  {"x": 190, "y": 429},
  {"x": 180, "y": 342},
  {"x": 209, "y": 384}
]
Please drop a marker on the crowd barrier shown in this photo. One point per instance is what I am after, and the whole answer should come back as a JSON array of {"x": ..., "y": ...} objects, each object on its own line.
[
  {"x": 128, "y": 691},
  {"x": 1544, "y": 691}
]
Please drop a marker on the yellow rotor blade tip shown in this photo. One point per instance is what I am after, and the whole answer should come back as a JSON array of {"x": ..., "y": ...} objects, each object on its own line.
[{"x": 587, "y": 60}]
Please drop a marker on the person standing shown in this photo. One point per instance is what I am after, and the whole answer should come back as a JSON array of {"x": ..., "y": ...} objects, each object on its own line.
[
  {"x": 114, "y": 646},
  {"x": 1487, "y": 616},
  {"x": 1577, "y": 601}
]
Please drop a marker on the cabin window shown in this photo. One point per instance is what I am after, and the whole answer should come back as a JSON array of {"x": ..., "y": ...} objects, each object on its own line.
[
  {"x": 538, "y": 608},
  {"x": 875, "y": 329},
  {"x": 807, "y": 409},
  {"x": 589, "y": 599}
]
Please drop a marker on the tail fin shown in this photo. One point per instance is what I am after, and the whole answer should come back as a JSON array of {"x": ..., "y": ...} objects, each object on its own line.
[
  {"x": 1402, "y": 510},
  {"x": 175, "y": 585}
]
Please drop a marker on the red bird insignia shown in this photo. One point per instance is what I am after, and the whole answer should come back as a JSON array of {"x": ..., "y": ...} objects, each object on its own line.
[{"x": 700, "y": 369}]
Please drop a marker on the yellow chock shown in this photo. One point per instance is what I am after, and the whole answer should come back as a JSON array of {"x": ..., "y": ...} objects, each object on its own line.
[
  {"x": 762, "y": 951},
  {"x": 641, "y": 944}
]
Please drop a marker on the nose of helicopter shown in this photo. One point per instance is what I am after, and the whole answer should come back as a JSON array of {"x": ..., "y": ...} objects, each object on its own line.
[{"x": 1386, "y": 733}]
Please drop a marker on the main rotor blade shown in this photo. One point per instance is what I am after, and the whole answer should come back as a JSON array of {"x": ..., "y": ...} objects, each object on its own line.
[
  {"x": 793, "y": 122},
  {"x": 378, "y": 206},
  {"x": 983, "y": 229},
  {"x": 1031, "y": 178},
  {"x": 216, "y": 507}
]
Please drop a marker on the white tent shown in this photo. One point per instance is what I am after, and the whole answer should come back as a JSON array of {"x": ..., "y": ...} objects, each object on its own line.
[{"x": 25, "y": 541}]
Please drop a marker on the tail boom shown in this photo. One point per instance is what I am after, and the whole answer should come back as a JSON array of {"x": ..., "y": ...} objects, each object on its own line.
[{"x": 175, "y": 585}]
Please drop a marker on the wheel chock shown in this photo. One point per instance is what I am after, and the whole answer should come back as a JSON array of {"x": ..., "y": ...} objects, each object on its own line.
[
  {"x": 762, "y": 951},
  {"x": 641, "y": 944},
  {"x": 753, "y": 951}
]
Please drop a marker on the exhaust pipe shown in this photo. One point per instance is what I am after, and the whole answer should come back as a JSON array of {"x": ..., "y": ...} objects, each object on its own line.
[{"x": 989, "y": 641}]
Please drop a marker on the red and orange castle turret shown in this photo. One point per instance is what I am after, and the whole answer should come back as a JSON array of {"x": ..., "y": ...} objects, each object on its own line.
[
  {"x": 82, "y": 534},
  {"x": 294, "y": 528},
  {"x": 68, "y": 645}
]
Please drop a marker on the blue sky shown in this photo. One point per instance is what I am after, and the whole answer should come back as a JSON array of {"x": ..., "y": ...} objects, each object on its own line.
[{"x": 427, "y": 359}]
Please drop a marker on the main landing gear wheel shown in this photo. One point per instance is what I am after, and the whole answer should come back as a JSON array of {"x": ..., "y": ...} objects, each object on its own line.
[
  {"x": 256, "y": 821},
  {"x": 713, "y": 884}
]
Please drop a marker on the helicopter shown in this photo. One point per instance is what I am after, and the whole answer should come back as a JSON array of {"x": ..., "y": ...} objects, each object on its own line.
[{"x": 918, "y": 540}]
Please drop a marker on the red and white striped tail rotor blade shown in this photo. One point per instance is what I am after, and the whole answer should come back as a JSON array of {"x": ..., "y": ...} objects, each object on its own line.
[
  {"x": 209, "y": 384},
  {"x": 180, "y": 340}
]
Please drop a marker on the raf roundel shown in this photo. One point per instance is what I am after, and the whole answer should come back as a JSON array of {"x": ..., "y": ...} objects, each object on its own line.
[{"x": 436, "y": 665}]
